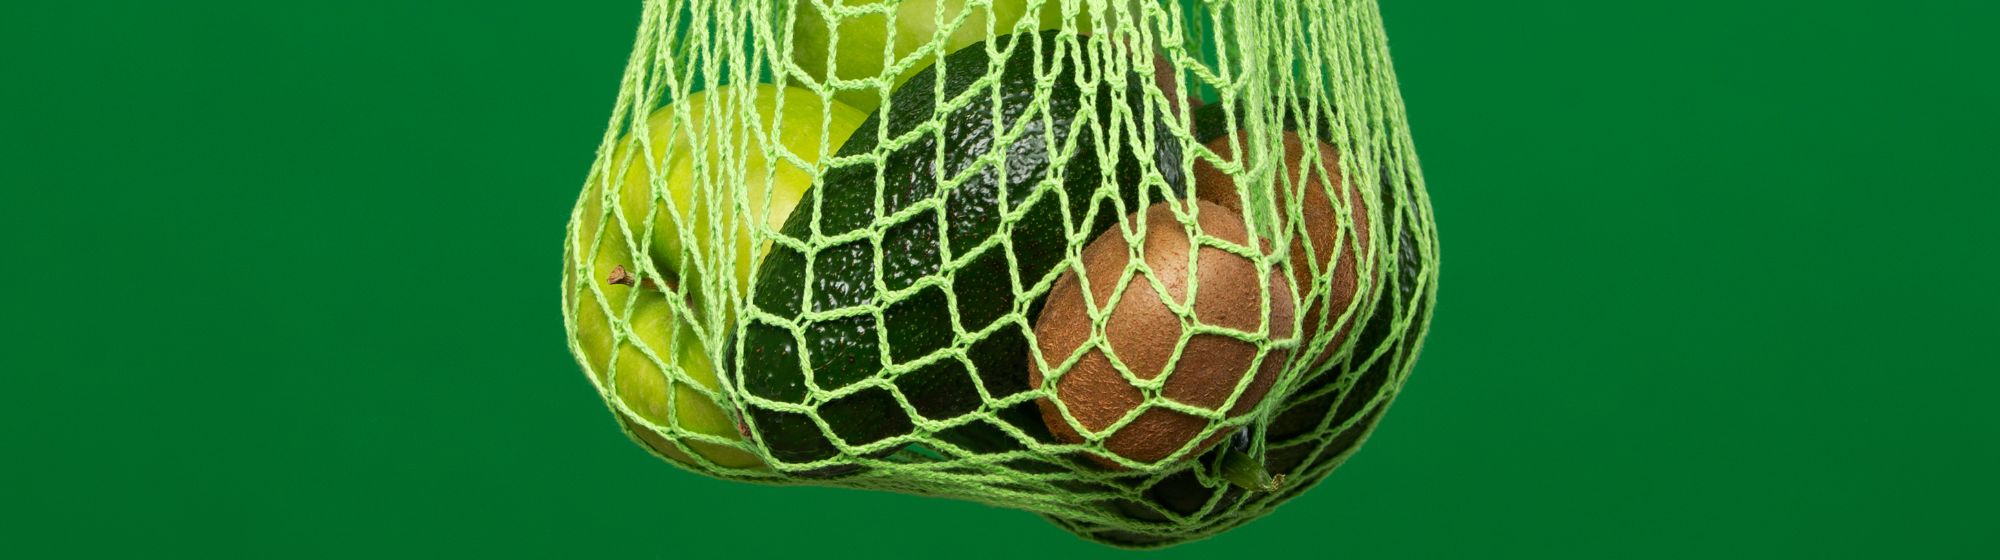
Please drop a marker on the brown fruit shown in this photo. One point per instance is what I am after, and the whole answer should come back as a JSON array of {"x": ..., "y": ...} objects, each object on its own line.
[
  {"x": 1322, "y": 224},
  {"x": 1143, "y": 333}
]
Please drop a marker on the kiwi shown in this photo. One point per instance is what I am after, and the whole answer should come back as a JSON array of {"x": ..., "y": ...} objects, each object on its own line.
[
  {"x": 1321, "y": 225},
  {"x": 1144, "y": 333}
]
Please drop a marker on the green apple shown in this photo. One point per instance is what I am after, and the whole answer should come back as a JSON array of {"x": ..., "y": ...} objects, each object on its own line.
[
  {"x": 866, "y": 49},
  {"x": 700, "y": 213},
  {"x": 638, "y": 385},
  {"x": 668, "y": 405},
  {"x": 663, "y": 385},
  {"x": 865, "y": 39}
]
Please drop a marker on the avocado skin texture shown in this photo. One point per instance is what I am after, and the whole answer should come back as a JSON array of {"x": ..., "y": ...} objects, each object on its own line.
[{"x": 845, "y": 350}]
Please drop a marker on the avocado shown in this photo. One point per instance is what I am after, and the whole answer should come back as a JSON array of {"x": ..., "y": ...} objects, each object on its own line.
[{"x": 955, "y": 222}]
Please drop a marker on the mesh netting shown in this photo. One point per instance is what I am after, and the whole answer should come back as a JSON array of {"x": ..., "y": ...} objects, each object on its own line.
[{"x": 821, "y": 238}]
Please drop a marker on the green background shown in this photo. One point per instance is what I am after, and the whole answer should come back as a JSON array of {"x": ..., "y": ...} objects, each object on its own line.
[{"x": 281, "y": 279}]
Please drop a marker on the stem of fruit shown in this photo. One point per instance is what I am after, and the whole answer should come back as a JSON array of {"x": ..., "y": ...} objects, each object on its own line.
[
  {"x": 1247, "y": 472},
  {"x": 619, "y": 276}
]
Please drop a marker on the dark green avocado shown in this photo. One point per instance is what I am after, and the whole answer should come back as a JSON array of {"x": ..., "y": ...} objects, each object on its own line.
[{"x": 925, "y": 222}]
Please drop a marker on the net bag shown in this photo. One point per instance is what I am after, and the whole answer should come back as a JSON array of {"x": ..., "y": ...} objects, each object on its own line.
[{"x": 1146, "y": 268}]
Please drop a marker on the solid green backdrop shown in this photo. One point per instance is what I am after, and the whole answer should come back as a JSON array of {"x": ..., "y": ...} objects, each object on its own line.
[{"x": 281, "y": 281}]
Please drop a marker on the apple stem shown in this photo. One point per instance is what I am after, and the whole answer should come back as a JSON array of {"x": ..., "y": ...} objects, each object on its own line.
[{"x": 621, "y": 277}]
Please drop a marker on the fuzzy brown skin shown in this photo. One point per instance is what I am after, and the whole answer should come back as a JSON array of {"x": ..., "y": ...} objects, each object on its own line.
[
  {"x": 1322, "y": 224},
  {"x": 1143, "y": 332}
]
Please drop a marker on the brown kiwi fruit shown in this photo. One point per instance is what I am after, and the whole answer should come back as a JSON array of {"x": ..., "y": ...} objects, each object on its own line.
[
  {"x": 1322, "y": 224},
  {"x": 1143, "y": 333}
]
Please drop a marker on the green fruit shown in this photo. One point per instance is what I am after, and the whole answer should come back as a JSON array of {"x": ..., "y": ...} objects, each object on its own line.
[
  {"x": 644, "y": 387},
  {"x": 705, "y": 202},
  {"x": 983, "y": 294},
  {"x": 636, "y": 379},
  {"x": 674, "y": 267},
  {"x": 865, "y": 47}
]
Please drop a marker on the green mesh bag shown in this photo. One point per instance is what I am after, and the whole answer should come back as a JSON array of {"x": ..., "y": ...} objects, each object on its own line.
[{"x": 891, "y": 245}]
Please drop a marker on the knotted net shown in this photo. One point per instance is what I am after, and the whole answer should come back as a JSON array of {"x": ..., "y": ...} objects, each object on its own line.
[{"x": 819, "y": 235}]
